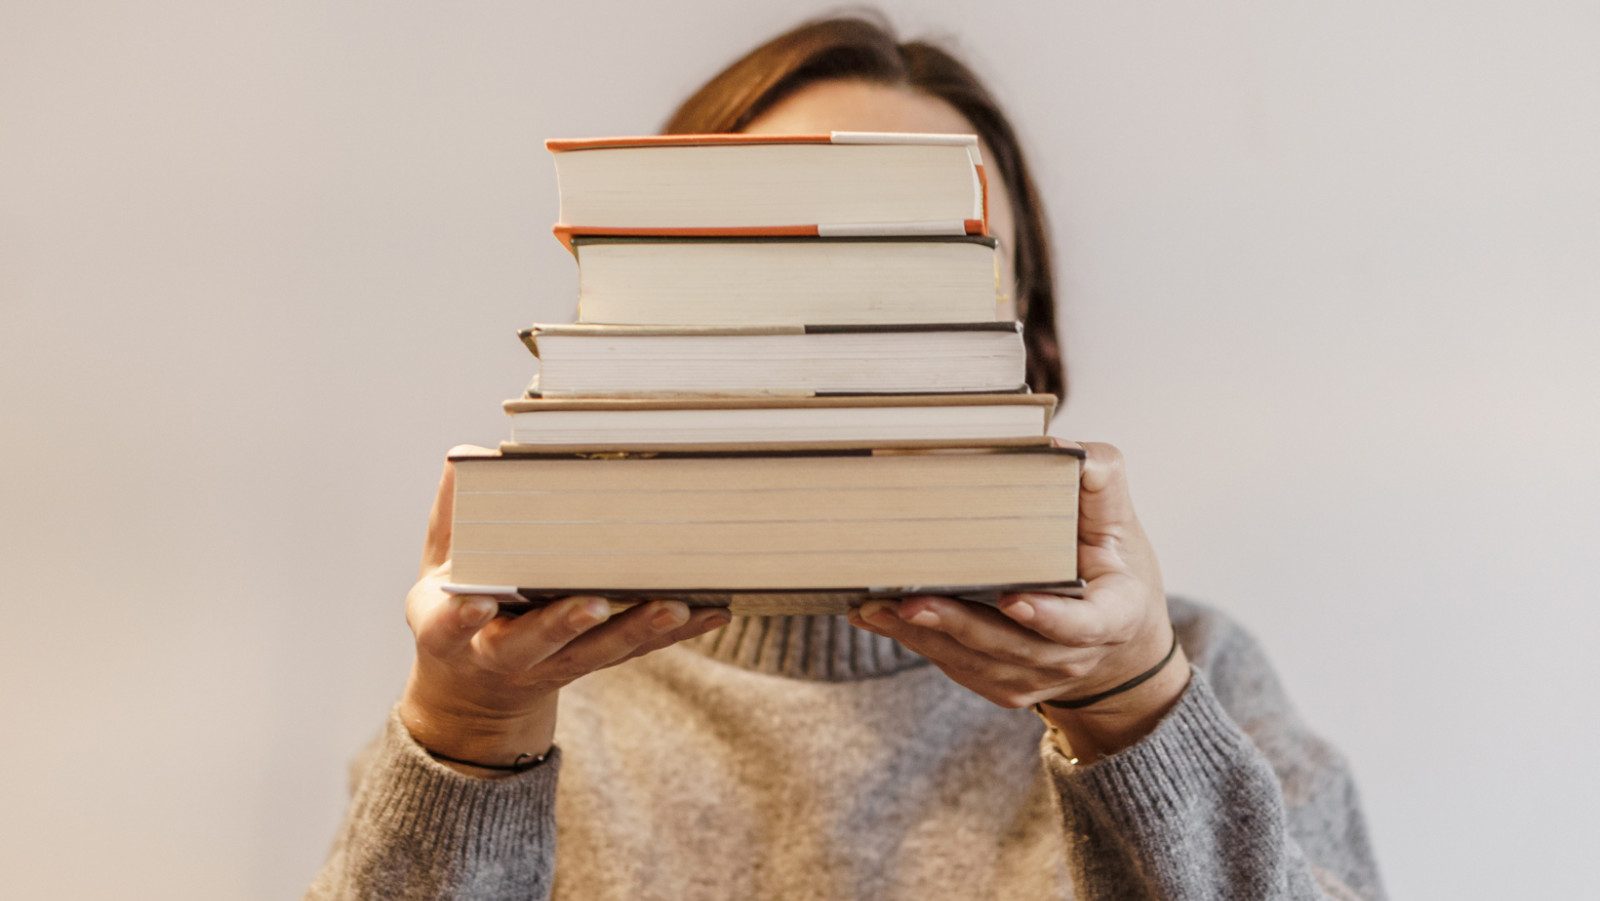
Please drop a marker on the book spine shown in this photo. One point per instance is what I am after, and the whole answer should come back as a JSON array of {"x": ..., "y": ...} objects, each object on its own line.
[{"x": 564, "y": 145}]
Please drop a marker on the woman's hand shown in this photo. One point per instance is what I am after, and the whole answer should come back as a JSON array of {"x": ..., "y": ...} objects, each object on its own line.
[
  {"x": 1038, "y": 647},
  {"x": 483, "y": 687}
]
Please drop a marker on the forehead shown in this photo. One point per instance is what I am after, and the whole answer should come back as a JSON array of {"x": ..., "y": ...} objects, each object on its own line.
[{"x": 858, "y": 106}]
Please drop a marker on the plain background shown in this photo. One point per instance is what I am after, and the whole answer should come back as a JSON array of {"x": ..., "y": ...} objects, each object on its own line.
[{"x": 1329, "y": 276}]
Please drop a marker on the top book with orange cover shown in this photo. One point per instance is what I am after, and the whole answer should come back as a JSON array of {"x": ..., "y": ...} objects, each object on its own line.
[{"x": 841, "y": 184}]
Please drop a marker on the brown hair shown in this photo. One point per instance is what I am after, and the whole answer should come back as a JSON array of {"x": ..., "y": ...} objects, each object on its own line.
[{"x": 858, "y": 49}]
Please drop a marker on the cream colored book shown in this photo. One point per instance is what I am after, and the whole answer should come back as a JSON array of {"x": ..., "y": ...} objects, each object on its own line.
[
  {"x": 808, "y": 532},
  {"x": 571, "y": 425},
  {"x": 840, "y": 183},
  {"x": 641, "y": 280},
  {"x": 642, "y": 360}
]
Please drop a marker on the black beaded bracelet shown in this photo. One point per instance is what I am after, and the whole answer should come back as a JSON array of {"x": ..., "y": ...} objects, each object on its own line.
[
  {"x": 1135, "y": 682},
  {"x": 522, "y": 764}
]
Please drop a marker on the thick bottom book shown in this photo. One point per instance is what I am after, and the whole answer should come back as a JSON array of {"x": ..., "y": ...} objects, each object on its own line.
[{"x": 770, "y": 532}]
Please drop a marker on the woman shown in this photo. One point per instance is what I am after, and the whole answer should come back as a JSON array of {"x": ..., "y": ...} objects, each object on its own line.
[{"x": 887, "y": 754}]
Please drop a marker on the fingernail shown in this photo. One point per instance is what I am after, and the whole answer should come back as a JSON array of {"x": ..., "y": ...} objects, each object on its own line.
[
  {"x": 717, "y": 621},
  {"x": 477, "y": 611},
  {"x": 874, "y": 609},
  {"x": 669, "y": 617},
  {"x": 588, "y": 613},
  {"x": 1020, "y": 610},
  {"x": 926, "y": 619}
]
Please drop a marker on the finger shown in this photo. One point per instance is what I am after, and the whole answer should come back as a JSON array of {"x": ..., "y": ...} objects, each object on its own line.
[
  {"x": 436, "y": 546},
  {"x": 1101, "y": 617},
  {"x": 983, "y": 629},
  {"x": 444, "y": 624},
  {"x": 954, "y": 657},
  {"x": 1000, "y": 683},
  {"x": 701, "y": 621},
  {"x": 515, "y": 645},
  {"x": 620, "y": 638}
]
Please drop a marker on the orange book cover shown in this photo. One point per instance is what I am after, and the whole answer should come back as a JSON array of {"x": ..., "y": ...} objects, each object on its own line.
[
  {"x": 561, "y": 145},
  {"x": 565, "y": 233}
]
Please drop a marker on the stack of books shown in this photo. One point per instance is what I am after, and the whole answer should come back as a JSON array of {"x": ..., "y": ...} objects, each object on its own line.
[{"x": 787, "y": 391}]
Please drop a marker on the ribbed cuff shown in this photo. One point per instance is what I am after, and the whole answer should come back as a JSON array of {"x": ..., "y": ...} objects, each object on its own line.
[
  {"x": 409, "y": 797},
  {"x": 1195, "y": 756}
]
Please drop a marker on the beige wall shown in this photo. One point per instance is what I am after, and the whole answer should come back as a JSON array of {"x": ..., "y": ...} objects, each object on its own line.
[{"x": 1331, "y": 282}]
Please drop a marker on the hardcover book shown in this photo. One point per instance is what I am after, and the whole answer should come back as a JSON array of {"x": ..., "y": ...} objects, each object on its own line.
[
  {"x": 790, "y": 281},
  {"x": 623, "y": 360},
  {"x": 843, "y": 183},
  {"x": 770, "y": 532},
  {"x": 547, "y": 425}
]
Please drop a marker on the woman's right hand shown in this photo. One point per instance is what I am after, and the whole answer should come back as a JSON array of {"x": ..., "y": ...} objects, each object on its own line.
[{"x": 483, "y": 687}]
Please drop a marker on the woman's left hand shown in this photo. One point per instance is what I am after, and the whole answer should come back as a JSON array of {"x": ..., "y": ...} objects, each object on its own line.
[{"x": 1037, "y": 647}]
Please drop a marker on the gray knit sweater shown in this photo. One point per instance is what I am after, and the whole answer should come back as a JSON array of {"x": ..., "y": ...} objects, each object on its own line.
[{"x": 800, "y": 758}]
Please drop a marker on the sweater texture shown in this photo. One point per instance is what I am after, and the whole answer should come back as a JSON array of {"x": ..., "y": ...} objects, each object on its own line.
[{"x": 801, "y": 758}]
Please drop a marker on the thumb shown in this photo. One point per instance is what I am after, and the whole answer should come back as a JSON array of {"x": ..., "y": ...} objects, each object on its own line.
[
  {"x": 1105, "y": 508},
  {"x": 436, "y": 547}
]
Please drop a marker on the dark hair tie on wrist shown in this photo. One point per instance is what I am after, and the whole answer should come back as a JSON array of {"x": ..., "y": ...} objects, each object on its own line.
[
  {"x": 1133, "y": 683},
  {"x": 522, "y": 764}
]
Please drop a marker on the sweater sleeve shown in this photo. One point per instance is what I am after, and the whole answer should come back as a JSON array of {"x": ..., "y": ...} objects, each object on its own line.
[
  {"x": 1230, "y": 797},
  {"x": 416, "y": 829}
]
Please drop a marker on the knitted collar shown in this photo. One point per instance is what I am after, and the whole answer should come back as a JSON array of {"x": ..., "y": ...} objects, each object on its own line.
[{"x": 824, "y": 648}]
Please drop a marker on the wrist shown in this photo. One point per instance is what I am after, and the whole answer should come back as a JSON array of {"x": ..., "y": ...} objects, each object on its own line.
[
  {"x": 495, "y": 735},
  {"x": 1118, "y": 722}
]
